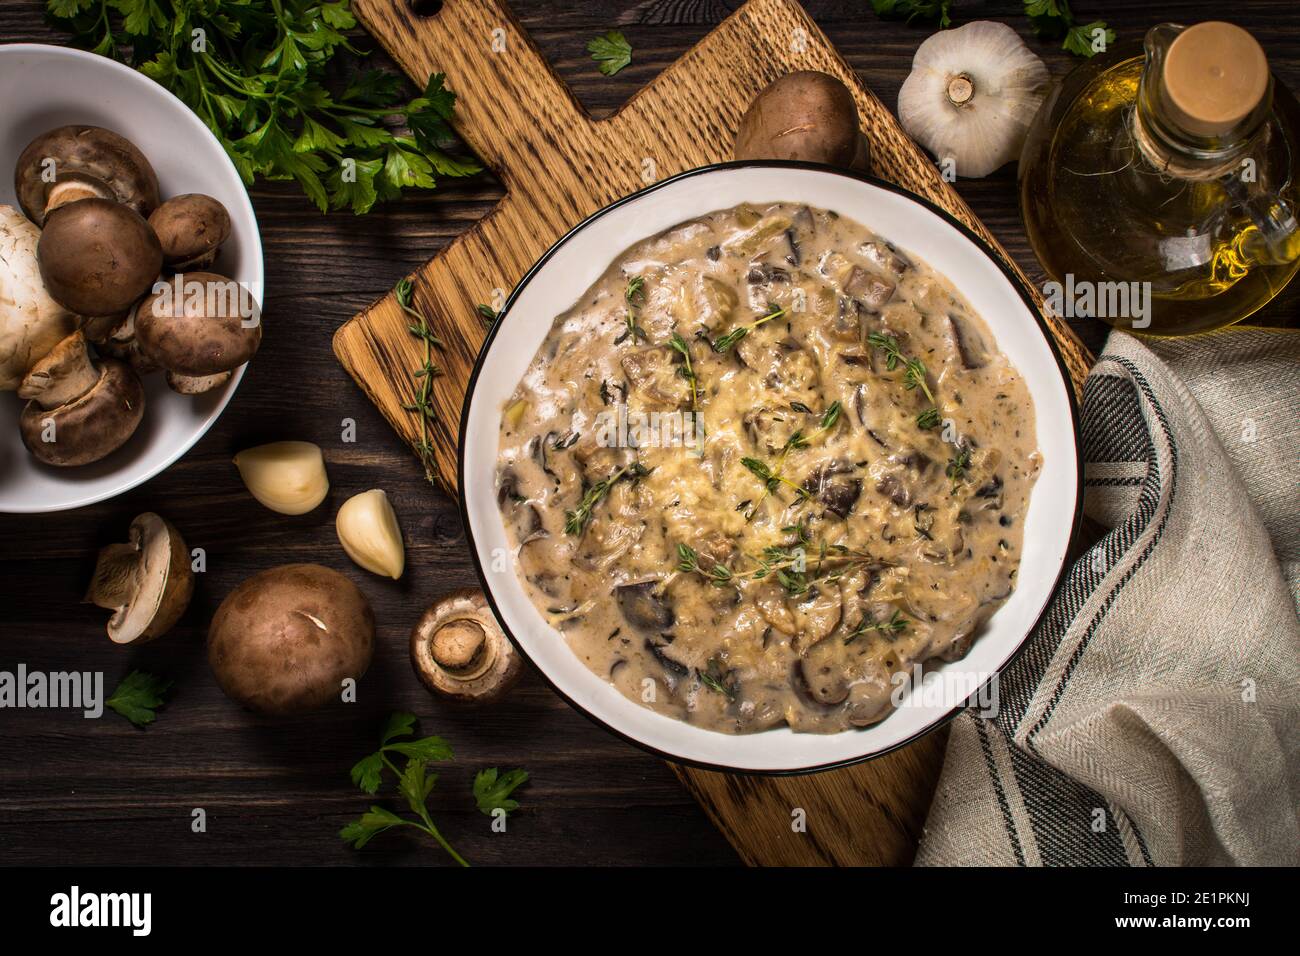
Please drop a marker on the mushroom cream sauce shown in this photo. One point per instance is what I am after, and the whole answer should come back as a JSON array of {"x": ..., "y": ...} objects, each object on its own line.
[{"x": 822, "y": 501}]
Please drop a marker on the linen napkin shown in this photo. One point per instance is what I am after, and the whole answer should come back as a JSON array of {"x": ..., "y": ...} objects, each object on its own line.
[{"x": 1153, "y": 717}]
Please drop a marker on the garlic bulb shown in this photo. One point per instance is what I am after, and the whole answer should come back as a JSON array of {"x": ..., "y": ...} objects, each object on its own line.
[
  {"x": 286, "y": 476},
  {"x": 368, "y": 530},
  {"x": 971, "y": 96}
]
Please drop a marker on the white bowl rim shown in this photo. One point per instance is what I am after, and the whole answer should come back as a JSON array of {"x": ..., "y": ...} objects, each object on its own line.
[
  {"x": 254, "y": 251},
  {"x": 1016, "y": 282}
]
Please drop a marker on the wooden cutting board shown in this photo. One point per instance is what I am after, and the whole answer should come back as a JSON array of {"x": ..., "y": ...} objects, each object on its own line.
[{"x": 558, "y": 166}]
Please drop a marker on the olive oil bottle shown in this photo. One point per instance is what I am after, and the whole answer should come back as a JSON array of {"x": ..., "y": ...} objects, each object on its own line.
[{"x": 1160, "y": 191}]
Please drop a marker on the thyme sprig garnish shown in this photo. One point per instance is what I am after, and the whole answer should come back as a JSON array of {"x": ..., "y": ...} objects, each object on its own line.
[
  {"x": 914, "y": 375},
  {"x": 687, "y": 371},
  {"x": 635, "y": 290},
  {"x": 576, "y": 521},
  {"x": 896, "y": 624},
  {"x": 713, "y": 678},
  {"x": 423, "y": 376},
  {"x": 788, "y": 563},
  {"x": 718, "y": 573},
  {"x": 725, "y": 343},
  {"x": 958, "y": 465},
  {"x": 772, "y": 478}
]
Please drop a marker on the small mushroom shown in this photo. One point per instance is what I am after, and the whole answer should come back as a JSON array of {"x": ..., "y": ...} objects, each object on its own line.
[
  {"x": 71, "y": 163},
  {"x": 78, "y": 412},
  {"x": 196, "y": 326},
  {"x": 285, "y": 640},
  {"x": 807, "y": 116},
  {"x": 97, "y": 257},
  {"x": 147, "y": 583},
  {"x": 459, "y": 651},
  {"x": 31, "y": 323},
  {"x": 191, "y": 229},
  {"x": 833, "y": 484},
  {"x": 643, "y": 607}
]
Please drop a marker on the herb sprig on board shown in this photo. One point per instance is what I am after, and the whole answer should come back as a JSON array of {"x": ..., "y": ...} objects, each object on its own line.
[
  {"x": 423, "y": 376},
  {"x": 259, "y": 77}
]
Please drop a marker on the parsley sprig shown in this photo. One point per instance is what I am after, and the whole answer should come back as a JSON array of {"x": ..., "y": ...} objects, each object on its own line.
[
  {"x": 1048, "y": 18},
  {"x": 259, "y": 76},
  {"x": 492, "y": 789},
  {"x": 414, "y": 783},
  {"x": 611, "y": 51},
  {"x": 138, "y": 696}
]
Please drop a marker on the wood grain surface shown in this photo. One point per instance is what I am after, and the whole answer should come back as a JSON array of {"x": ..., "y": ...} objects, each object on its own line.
[
  {"x": 101, "y": 792},
  {"x": 559, "y": 165}
]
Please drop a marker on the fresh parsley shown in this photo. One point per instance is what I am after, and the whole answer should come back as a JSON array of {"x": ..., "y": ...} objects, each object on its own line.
[
  {"x": 260, "y": 77},
  {"x": 414, "y": 784},
  {"x": 492, "y": 789},
  {"x": 611, "y": 51},
  {"x": 1048, "y": 18},
  {"x": 913, "y": 9},
  {"x": 138, "y": 696}
]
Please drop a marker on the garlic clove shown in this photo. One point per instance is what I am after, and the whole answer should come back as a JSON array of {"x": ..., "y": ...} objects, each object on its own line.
[
  {"x": 971, "y": 96},
  {"x": 285, "y": 476},
  {"x": 368, "y": 530}
]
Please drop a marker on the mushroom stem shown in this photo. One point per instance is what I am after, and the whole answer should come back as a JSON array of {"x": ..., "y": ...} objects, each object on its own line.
[
  {"x": 460, "y": 644},
  {"x": 961, "y": 89},
  {"x": 114, "y": 582}
]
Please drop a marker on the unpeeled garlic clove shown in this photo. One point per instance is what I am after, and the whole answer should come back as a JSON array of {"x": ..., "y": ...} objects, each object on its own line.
[
  {"x": 368, "y": 530},
  {"x": 286, "y": 476}
]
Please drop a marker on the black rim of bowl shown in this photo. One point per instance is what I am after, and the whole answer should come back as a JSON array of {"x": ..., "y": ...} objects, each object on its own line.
[{"x": 966, "y": 231}]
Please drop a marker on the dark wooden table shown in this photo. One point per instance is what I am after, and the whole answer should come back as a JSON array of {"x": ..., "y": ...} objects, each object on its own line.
[{"x": 101, "y": 792}]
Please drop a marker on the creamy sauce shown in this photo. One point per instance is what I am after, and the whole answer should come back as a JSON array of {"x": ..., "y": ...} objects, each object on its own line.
[{"x": 822, "y": 500}]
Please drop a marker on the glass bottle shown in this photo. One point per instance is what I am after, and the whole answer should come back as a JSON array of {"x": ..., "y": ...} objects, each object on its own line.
[{"x": 1160, "y": 191}]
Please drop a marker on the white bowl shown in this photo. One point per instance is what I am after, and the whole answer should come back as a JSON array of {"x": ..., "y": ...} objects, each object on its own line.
[
  {"x": 557, "y": 281},
  {"x": 42, "y": 87}
]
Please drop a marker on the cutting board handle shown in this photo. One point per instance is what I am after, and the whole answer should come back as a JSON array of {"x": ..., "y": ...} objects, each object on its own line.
[{"x": 506, "y": 93}]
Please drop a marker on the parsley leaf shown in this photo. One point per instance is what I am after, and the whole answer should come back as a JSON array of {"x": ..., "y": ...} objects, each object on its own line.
[
  {"x": 261, "y": 78},
  {"x": 492, "y": 789},
  {"x": 913, "y": 9},
  {"x": 138, "y": 695},
  {"x": 611, "y": 52}
]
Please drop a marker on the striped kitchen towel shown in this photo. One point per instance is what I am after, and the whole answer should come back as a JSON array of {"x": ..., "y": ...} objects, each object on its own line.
[{"x": 1153, "y": 718}]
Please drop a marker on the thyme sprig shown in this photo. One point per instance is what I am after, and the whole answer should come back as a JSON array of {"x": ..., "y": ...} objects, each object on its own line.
[
  {"x": 687, "y": 371},
  {"x": 576, "y": 521},
  {"x": 635, "y": 290},
  {"x": 788, "y": 563},
  {"x": 423, "y": 376},
  {"x": 958, "y": 465},
  {"x": 896, "y": 624},
  {"x": 914, "y": 375},
  {"x": 713, "y": 678},
  {"x": 772, "y": 478},
  {"x": 725, "y": 343}
]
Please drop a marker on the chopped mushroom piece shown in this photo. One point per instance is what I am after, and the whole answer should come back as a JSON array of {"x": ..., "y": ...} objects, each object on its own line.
[
  {"x": 460, "y": 653},
  {"x": 147, "y": 583}
]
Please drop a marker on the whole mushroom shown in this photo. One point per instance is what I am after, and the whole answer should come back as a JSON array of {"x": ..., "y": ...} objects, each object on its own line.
[
  {"x": 147, "y": 583},
  {"x": 31, "y": 323},
  {"x": 460, "y": 653},
  {"x": 78, "y": 412},
  {"x": 97, "y": 257},
  {"x": 191, "y": 229},
  {"x": 806, "y": 116},
  {"x": 284, "y": 640},
  {"x": 83, "y": 162},
  {"x": 196, "y": 327}
]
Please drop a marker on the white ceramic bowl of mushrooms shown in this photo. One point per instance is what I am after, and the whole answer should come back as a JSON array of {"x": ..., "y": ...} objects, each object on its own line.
[{"x": 49, "y": 96}]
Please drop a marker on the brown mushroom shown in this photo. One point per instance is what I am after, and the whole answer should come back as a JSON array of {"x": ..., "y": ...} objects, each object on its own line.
[
  {"x": 71, "y": 163},
  {"x": 284, "y": 640},
  {"x": 459, "y": 651},
  {"x": 806, "y": 116},
  {"x": 191, "y": 228},
  {"x": 147, "y": 583},
  {"x": 196, "y": 384},
  {"x": 197, "y": 325},
  {"x": 97, "y": 257},
  {"x": 78, "y": 412}
]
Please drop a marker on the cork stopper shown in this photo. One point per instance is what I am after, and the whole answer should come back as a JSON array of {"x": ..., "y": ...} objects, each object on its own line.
[{"x": 1215, "y": 75}]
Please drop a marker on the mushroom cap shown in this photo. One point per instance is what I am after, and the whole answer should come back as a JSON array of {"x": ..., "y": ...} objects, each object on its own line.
[
  {"x": 283, "y": 641},
  {"x": 196, "y": 384},
  {"x": 807, "y": 116},
  {"x": 87, "y": 161},
  {"x": 205, "y": 335},
  {"x": 31, "y": 323},
  {"x": 459, "y": 651},
  {"x": 146, "y": 583},
  {"x": 191, "y": 228},
  {"x": 88, "y": 415},
  {"x": 98, "y": 257}
]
